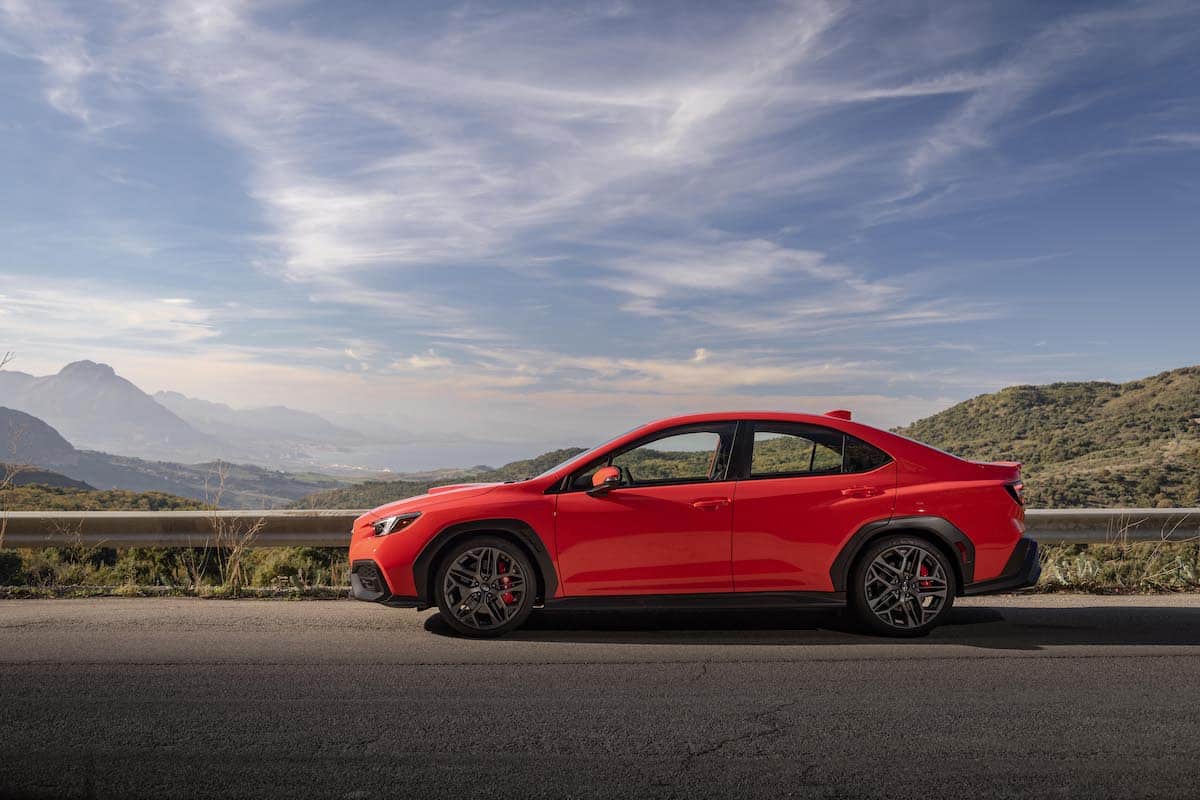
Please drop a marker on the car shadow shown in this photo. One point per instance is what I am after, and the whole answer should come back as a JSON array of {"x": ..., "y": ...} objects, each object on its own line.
[{"x": 1003, "y": 628}]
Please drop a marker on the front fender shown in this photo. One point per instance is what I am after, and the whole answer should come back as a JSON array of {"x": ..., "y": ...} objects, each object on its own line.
[{"x": 518, "y": 530}]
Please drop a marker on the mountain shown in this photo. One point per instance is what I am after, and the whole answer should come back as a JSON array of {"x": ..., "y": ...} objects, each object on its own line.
[
  {"x": 268, "y": 425},
  {"x": 97, "y": 409},
  {"x": 27, "y": 440},
  {"x": 1085, "y": 444},
  {"x": 369, "y": 494},
  {"x": 216, "y": 483}
]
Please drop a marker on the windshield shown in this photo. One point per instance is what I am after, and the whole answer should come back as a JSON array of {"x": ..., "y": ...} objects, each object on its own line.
[{"x": 586, "y": 454}]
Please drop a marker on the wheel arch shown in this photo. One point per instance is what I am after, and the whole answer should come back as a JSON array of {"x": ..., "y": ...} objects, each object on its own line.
[
  {"x": 940, "y": 532},
  {"x": 517, "y": 531}
]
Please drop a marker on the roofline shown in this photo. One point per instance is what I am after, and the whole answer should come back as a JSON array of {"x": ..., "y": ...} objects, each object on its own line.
[{"x": 838, "y": 423}]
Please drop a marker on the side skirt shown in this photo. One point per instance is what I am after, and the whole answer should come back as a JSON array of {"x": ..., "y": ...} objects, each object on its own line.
[{"x": 699, "y": 602}]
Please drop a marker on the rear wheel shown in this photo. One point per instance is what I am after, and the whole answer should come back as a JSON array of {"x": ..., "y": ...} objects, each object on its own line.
[
  {"x": 485, "y": 587},
  {"x": 902, "y": 586}
]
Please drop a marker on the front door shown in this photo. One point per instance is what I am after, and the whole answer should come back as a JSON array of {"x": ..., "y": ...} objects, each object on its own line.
[{"x": 664, "y": 530}]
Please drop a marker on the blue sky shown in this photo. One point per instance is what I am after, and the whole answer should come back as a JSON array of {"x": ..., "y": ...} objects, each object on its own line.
[{"x": 553, "y": 221}]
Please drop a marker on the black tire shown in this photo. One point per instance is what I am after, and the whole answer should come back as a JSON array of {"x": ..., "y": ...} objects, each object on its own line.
[
  {"x": 491, "y": 595},
  {"x": 914, "y": 603}
]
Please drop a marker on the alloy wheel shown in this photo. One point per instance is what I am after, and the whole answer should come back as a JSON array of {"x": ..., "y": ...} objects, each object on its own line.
[
  {"x": 905, "y": 586},
  {"x": 484, "y": 587}
]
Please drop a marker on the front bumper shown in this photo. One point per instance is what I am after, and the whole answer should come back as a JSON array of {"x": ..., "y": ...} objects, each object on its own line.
[
  {"x": 1023, "y": 569},
  {"x": 367, "y": 583}
]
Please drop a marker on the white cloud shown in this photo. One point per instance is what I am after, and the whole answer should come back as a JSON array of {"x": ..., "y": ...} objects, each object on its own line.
[
  {"x": 91, "y": 316},
  {"x": 707, "y": 373},
  {"x": 645, "y": 170},
  {"x": 426, "y": 360},
  {"x": 42, "y": 32},
  {"x": 1179, "y": 138}
]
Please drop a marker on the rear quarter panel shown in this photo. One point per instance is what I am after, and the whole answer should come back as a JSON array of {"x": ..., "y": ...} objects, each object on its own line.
[
  {"x": 978, "y": 506},
  {"x": 787, "y": 532}
]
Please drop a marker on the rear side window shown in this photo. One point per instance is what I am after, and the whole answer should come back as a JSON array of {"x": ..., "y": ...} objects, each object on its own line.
[
  {"x": 782, "y": 450},
  {"x": 862, "y": 457}
]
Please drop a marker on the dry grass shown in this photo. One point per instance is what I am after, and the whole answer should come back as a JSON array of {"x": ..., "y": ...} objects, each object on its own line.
[
  {"x": 275, "y": 571},
  {"x": 1169, "y": 563},
  {"x": 225, "y": 549}
]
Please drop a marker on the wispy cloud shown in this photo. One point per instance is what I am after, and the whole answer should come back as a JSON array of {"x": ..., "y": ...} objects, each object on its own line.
[
  {"x": 522, "y": 202},
  {"x": 54, "y": 314}
]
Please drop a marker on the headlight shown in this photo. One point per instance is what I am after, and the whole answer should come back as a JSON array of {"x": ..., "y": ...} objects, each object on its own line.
[{"x": 392, "y": 524}]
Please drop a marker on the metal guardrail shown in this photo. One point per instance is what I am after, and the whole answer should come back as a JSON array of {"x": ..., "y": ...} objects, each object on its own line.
[
  {"x": 275, "y": 528},
  {"x": 331, "y": 527},
  {"x": 1099, "y": 525}
]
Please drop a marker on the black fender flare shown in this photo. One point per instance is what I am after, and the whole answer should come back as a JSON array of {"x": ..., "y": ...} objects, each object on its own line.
[
  {"x": 519, "y": 530},
  {"x": 957, "y": 546}
]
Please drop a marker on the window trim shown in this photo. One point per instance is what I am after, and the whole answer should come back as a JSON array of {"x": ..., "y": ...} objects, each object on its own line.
[
  {"x": 745, "y": 453},
  {"x": 731, "y": 448}
]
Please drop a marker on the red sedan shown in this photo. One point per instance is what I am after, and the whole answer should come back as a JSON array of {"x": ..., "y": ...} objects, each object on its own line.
[{"x": 751, "y": 509}]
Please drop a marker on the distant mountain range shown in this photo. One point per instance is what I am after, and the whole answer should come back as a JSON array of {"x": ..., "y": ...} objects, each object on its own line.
[
  {"x": 48, "y": 459},
  {"x": 97, "y": 409},
  {"x": 90, "y": 404},
  {"x": 234, "y": 425}
]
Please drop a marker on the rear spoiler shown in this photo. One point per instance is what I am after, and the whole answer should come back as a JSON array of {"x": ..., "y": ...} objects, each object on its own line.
[{"x": 1001, "y": 469}]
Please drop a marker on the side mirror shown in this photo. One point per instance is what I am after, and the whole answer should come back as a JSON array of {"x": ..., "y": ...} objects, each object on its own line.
[{"x": 604, "y": 480}]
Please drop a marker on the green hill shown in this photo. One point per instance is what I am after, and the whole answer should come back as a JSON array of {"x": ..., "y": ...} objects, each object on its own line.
[
  {"x": 38, "y": 497},
  {"x": 20, "y": 475},
  {"x": 243, "y": 485},
  {"x": 1085, "y": 444}
]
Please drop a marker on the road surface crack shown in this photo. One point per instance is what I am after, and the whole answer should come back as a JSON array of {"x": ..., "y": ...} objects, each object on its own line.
[{"x": 759, "y": 719}]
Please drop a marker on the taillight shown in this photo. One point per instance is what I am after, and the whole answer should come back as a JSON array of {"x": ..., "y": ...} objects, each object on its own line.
[{"x": 1017, "y": 490}]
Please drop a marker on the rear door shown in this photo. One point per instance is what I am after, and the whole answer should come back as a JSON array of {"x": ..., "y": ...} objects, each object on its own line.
[
  {"x": 805, "y": 490},
  {"x": 665, "y": 530}
]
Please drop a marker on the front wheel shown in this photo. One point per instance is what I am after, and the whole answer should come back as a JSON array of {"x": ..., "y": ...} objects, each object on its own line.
[
  {"x": 485, "y": 587},
  {"x": 902, "y": 586}
]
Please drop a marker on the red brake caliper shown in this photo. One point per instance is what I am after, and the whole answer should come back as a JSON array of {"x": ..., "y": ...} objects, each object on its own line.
[
  {"x": 507, "y": 597},
  {"x": 924, "y": 573}
]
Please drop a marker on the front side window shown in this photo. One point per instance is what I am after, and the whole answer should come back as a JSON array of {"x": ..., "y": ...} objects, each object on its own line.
[
  {"x": 694, "y": 455},
  {"x": 783, "y": 449}
]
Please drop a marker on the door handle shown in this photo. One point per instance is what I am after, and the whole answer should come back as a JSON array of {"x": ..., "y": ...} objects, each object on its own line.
[
  {"x": 861, "y": 491},
  {"x": 710, "y": 503}
]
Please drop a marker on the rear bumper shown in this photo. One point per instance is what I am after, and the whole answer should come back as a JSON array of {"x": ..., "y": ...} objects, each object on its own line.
[
  {"x": 1023, "y": 569},
  {"x": 367, "y": 583}
]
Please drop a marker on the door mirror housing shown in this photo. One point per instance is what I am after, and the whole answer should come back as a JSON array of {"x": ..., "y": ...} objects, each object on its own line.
[{"x": 604, "y": 480}]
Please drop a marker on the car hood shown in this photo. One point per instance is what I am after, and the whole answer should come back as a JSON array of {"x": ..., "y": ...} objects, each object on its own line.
[{"x": 436, "y": 496}]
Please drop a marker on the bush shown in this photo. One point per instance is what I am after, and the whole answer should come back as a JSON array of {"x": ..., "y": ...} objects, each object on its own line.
[
  {"x": 196, "y": 570},
  {"x": 11, "y": 566}
]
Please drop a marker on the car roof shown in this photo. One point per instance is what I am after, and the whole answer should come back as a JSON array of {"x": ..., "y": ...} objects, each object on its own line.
[
  {"x": 770, "y": 416},
  {"x": 838, "y": 422},
  {"x": 895, "y": 445}
]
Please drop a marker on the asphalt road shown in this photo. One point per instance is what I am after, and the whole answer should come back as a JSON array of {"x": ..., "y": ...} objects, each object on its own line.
[{"x": 1048, "y": 696}]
